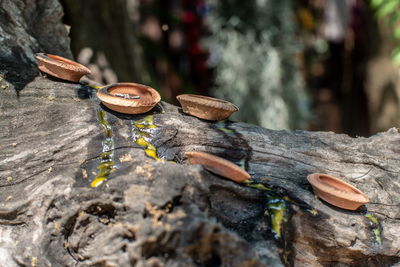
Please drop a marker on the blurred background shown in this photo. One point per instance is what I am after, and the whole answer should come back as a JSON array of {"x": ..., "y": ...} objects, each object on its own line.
[{"x": 329, "y": 65}]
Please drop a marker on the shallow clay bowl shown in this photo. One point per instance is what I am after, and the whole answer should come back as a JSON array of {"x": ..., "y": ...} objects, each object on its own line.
[
  {"x": 336, "y": 191},
  {"x": 61, "y": 67},
  {"x": 207, "y": 108},
  {"x": 149, "y": 97},
  {"x": 218, "y": 166}
]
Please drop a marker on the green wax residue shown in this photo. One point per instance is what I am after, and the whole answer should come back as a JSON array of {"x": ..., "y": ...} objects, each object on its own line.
[
  {"x": 221, "y": 125},
  {"x": 371, "y": 218},
  {"x": 242, "y": 164},
  {"x": 313, "y": 211},
  {"x": 102, "y": 118},
  {"x": 276, "y": 209},
  {"x": 107, "y": 164},
  {"x": 277, "y": 206},
  {"x": 95, "y": 86},
  {"x": 142, "y": 138},
  {"x": 376, "y": 227},
  {"x": 302, "y": 206},
  {"x": 250, "y": 183}
]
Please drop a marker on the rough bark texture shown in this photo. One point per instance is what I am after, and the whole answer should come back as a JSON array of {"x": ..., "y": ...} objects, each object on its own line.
[
  {"x": 28, "y": 27},
  {"x": 116, "y": 53},
  {"x": 56, "y": 138}
]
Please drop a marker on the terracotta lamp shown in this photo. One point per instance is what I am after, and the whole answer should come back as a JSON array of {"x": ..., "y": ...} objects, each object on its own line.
[
  {"x": 218, "y": 166},
  {"x": 61, "y": 67},
  {"x": 207, "y": 108},
  {"x": 336, "y": 191},
  {"x": 129, "y": 98}
]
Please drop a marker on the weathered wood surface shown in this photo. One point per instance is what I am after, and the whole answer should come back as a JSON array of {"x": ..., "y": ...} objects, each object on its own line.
[
  {"x": 158, "y": 213},
  {"x": 27, "y": 27}
]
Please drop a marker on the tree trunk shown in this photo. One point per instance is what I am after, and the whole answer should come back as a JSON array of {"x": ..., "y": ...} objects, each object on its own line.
[
  {"x": 115, "y": 54},
  {"x": 155, "y": 210}
]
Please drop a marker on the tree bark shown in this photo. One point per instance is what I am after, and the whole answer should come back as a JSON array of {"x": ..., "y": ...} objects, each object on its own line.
[
  {"x": 28, "y": 27},
  {"x": 116, "y": 53},
  {"x": 155, "y": 210}
]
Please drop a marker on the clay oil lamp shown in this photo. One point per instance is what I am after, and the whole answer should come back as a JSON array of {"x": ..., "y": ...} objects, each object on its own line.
[
  {"x": 61, "y": 67},
  {"x": 336, "y": 191},
  {"x": 218, "y": 166},
  {"x": 207, "y": 108},
  {"x": 129, "y": 98}
]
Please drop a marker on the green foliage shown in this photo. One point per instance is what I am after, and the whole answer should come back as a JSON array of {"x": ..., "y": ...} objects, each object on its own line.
[
  {"x": 396, "y": 55},
  {"x": 254, "y": 56},
  {"x": 389, "y": 12},
  {"x": 386, "y": 7}
]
